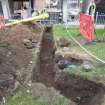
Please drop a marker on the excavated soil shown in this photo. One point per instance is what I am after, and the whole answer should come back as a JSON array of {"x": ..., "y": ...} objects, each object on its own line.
[
  {"x": 14, "y": 37},
  {"x": 14, "y": 56},
  {"x": 79, "y": 90}
]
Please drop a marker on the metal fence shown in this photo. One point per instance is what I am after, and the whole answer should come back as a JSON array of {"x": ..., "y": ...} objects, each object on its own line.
[
  {"x": 57, "y": 17},
  {"x": 54, "y": 18},
  {"x": 100, "y": 18}
]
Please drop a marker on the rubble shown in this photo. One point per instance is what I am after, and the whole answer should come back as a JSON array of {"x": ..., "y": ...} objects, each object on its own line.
[{"x": 62, "y": 42}]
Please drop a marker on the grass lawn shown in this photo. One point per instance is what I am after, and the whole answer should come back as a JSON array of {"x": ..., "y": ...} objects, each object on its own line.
[
  {"x": 24, "y": 98},
  {"x": 97, "y": 49}
]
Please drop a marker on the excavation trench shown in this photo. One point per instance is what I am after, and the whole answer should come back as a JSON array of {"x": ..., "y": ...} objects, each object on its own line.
[
  {"x": 14, "y": 56},
  {"x": 79, "y": 90},
  {"x": 75, "y": 88}
]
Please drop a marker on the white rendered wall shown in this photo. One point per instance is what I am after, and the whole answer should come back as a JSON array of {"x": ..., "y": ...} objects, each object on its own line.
[{"x": 5, "y": 7}]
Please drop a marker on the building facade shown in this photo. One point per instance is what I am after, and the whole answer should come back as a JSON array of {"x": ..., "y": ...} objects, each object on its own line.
[
  {"x": 9, "y": 7},
  {"x": 4, "y": 9},
  {"x": 66, "y": 8}
]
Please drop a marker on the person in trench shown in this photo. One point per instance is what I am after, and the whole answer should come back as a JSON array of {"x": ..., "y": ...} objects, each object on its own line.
[{"x": 24, "y": 13}]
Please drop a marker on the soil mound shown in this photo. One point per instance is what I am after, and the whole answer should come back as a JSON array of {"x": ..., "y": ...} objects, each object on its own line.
[
  {"x": 14, "y": 56},
  {"x": 80, "y": 90}
]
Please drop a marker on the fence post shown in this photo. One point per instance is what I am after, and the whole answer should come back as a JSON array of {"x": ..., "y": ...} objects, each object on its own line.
[{"x": 96, "y": 21}]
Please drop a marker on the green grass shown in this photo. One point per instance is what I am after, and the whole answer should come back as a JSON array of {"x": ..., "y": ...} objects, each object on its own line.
[
  {"x": 100, "y": 33},
  {"x": 60, "y": 31},
  {"x": 23, "y": 98},
  {"x": 97, "y": 49},
  {"x": 91, "y": 75}
]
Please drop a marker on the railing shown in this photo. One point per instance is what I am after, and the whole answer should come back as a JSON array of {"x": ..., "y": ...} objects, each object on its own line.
[
  {"x": 57, "y": 17},
  {"x": 54, "y": 18},
  {"x": 100, "y": 18}
]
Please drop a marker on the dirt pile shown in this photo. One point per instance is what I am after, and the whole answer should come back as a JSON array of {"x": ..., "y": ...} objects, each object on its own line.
[
  {"x": 73, "y": 54},
  {"x": 14, "y": 56},
  {"x": 80, "y": 90},
  {"x": 62, "y": 42},
  {"x": 69, "y": 58},
  {"x": 15, "y": 37}
]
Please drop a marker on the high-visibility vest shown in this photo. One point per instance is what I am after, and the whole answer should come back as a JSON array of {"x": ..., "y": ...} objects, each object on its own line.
[{"x": 92, "y": 9}]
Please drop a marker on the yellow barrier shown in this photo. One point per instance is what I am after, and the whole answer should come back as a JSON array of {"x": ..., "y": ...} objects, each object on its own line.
[{"x": 35, "y": 18}]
